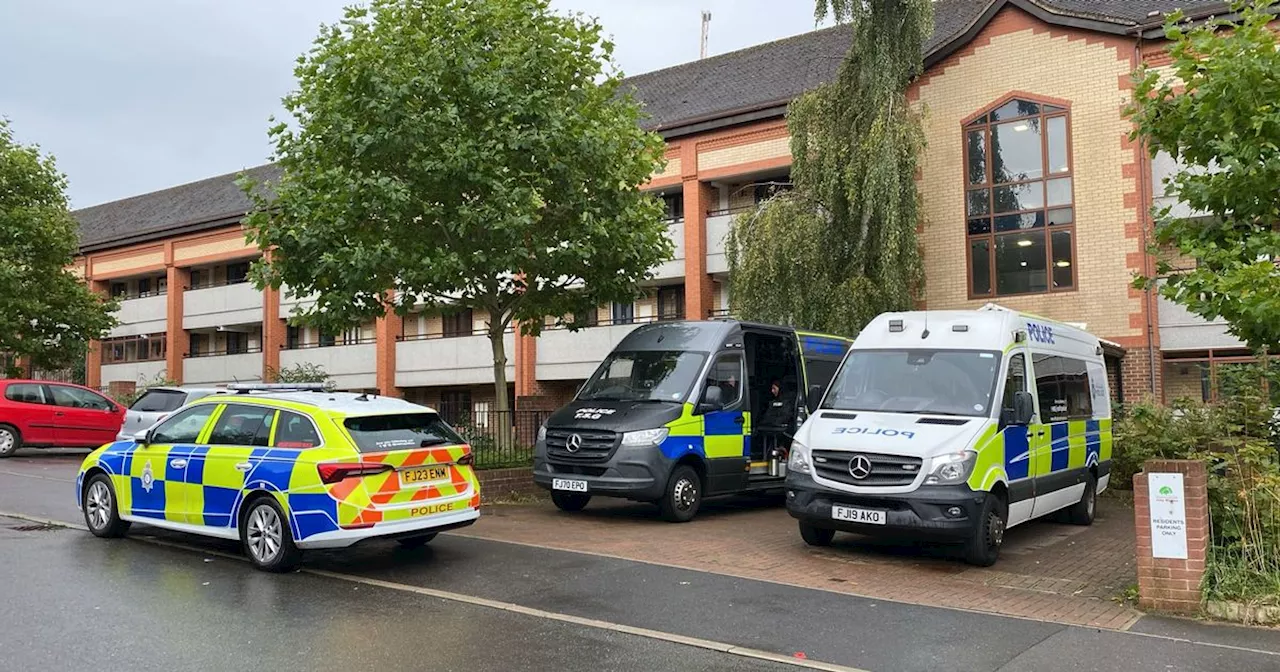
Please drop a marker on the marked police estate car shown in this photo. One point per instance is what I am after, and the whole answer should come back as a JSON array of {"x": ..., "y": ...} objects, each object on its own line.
[{"x": 284, "y": 469}]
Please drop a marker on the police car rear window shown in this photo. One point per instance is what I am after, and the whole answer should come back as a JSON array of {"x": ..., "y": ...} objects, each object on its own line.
[{"x": 401, "y": 431}]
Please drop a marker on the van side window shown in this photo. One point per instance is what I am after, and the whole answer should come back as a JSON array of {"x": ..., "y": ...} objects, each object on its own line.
[
  {"x": 1014, "y": 381},
  {"x": 1062, "y": 384},
  {"x": 727, "y": 374}
]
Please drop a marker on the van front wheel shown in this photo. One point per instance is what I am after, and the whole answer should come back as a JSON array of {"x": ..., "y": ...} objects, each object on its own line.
[
  {"x": 683, "y": 496},
  {"x": 569, "y": 501},
  {"x": 816, "y": 536},
  {"x": 983, "y": 546},
  {"x": 1083, "y": 511}
]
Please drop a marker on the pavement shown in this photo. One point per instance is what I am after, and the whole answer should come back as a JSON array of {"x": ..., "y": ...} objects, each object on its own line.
[{"x": 163, "y": 600}]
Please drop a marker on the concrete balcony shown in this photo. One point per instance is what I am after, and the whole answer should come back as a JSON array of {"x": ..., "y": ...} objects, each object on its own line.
[
  {"x": 675, "y": 267},
  {"x": 352, "y": 367},
  {"x": 214, "y": 306},
  {"x": 717, "y": 230},
  {"x": 565, "y": 355},
  {"x": 147, "y": 315},
  {"x": 135, "y": 372},
  {"x": 1181, "y": 329},
  {"x": 221, "y": 369},
  {"x": 289, "y": 305},
  {"x": 467, "y": 360}
]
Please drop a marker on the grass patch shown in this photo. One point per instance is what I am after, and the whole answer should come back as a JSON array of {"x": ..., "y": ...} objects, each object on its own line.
[{"x": 1229, "y": 577}]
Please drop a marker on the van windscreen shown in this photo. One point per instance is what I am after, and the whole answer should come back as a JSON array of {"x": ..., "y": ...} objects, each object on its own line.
[
  {"x": 933, "y": 382},
  {"x": 646, "y": 375},
  {"x": 400, "y": 431}
]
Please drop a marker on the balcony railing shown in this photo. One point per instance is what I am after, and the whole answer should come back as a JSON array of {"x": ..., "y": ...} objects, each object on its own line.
[
  {"x": 730, "y": 211},
  {"x": 126, "y": 296},
  {"x": 224, "y": 351},
  {"x": 363, "y": 340},
  {"x": 457, "y": 334},
  {"x": 719, "y": 313},
  {"x": 670, "y": 317},
  {"x": 210, "y": 284}
]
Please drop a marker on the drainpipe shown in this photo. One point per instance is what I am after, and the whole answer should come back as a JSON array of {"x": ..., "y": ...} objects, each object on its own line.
[{"x": 1144, "y": 187}]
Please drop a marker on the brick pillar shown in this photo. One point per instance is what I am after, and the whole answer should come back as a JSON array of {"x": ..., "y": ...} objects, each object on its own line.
[
  {"x": 93, "y": 358},
  {"x": 388, "y": 329},
  {"x": 273, "y": 332},
  {"x": 1172, "y": 584},
  {"x": 1135, "y": 368},
  {"x": 177, "y": 341},
  {"x": 526, "y": 377},
  {"x": 699, "y": 292}
]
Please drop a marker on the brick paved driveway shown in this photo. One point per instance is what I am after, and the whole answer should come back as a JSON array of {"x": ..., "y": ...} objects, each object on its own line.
[{"x": 1047, "y": 571}]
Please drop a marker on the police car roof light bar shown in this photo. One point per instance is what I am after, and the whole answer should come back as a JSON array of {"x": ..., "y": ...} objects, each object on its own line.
[{"x": 277, "y": 387}]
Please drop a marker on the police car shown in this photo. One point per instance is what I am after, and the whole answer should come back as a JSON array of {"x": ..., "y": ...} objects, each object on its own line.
[{"x": 283, "y": 468}]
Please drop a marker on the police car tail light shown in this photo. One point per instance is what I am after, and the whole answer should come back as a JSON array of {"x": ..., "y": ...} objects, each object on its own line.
[
  {"x": 336, "y": 472},
  {"x": 468, "y": 458}
]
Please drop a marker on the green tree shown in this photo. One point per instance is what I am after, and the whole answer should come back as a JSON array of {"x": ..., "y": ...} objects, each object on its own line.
[
  {"x": 47, "y": 313},
  {"x": 1221, "y": 118},
  {"x": 842, "y": 248},
  {"x": 460, "y": 154}
]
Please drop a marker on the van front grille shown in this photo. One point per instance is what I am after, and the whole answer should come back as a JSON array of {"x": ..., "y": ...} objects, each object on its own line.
[
  {"x": 880, "y": 470},
  {"x": 591, "y": 445}
]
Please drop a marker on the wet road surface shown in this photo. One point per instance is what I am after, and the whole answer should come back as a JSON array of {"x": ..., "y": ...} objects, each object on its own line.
[{"x": 76, "y": 598}]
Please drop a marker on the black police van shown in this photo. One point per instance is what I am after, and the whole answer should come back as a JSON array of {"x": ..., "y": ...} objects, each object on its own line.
[{"x": 680, "y": 411}]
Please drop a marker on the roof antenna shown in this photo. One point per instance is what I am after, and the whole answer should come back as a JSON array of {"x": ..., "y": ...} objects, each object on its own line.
[
  {"x": 925, "y": 333},
  {"x": 706, "y": 25}
]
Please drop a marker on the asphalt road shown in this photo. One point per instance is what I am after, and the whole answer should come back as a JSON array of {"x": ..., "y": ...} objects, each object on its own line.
[{"x": 71, "y": 599}]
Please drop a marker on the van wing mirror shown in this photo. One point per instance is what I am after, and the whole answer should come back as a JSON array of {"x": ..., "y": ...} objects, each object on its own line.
[
  {"x": 813, "y": 398},
  {"x": 142, "y": 437},
  {"x": 712, "y": 399},
  {"x": 1024, "y": 408}
]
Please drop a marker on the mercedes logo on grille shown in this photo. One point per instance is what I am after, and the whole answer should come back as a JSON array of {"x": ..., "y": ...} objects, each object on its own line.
[
  {"x": 860, "y": 467},
  {"x": 574, "y": 444}
]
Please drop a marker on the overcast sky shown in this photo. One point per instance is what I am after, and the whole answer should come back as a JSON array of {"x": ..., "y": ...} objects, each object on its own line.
[{"x": 133, "y": 96}]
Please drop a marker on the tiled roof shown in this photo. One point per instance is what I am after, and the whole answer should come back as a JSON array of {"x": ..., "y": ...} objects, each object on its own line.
[{"x": 756, "y": 78}]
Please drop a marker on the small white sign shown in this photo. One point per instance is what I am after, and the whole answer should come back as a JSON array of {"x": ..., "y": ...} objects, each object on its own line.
[{"x": 1168, "y": 516}]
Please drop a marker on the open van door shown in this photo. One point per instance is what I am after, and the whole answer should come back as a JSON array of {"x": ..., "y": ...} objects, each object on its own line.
[{"x": 821, "y": 356}]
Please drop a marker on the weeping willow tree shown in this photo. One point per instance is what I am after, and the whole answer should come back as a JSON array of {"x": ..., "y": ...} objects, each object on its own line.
[{"x": 840, "y": 248}]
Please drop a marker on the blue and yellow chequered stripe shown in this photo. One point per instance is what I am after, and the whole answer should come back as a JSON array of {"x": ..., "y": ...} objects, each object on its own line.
[
  {"x": 1009, "y": 454},
  {"x": 710, "y": 436}
]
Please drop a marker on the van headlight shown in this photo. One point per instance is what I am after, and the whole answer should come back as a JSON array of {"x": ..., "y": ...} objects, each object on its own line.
[
  {"x": 952, "y": 468},
  {"x": 542, "y": 433},
  {"x": 799, "y": 459},
  {"x": 645, "y": 437}
]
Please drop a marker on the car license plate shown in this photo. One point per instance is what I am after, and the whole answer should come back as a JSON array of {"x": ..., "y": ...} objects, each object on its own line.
[
  {"x": 567, "y": 484},
  {"x": 423, "y": 475},
  {"x": 866, "y": 516}
]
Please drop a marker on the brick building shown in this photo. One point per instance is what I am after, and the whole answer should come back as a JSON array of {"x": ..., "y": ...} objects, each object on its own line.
[{"x": 1033, "y": 193}]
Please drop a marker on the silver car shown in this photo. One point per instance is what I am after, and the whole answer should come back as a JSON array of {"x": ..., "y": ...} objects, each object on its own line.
[{"x": 158, "y": 402}]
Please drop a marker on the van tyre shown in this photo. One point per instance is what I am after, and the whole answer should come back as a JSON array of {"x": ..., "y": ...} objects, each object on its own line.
[
  {"x": 10, "y": 440},
  {"x": 266, "y": 537},
  {"x": 569, "y": 501},
  {"x": 816, "y": 536},
  {"x": 101, "y": 515},
  {"x": 1083, "y": 511},
  {"x": 983, "y": 546},
  {"x": 683, "y": 496}
]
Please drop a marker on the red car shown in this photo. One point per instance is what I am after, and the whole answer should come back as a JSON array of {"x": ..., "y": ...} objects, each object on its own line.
[{"x": 45, "y": 413}]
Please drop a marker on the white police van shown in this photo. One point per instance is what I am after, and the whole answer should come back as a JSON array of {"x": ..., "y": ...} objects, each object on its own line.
[{"x": 955, "y": 425}]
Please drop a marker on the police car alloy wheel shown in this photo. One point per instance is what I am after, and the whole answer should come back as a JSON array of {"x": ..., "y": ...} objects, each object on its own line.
[
  {"x": 683, "y": 496},
  {"x": 10, "y": 442},
  {"x": 266, "y": 537},
  {"x": 100, "y": 513}
]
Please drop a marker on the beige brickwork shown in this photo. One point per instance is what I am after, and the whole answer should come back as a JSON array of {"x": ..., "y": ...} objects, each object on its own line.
[
  {"x": 748, "y": 153},
  {"x": 1085, "y": 73},
  {"x": 130, "y": 262},
  {"x": 196, "y": 250},
  {"x": 672, "y": 169}
]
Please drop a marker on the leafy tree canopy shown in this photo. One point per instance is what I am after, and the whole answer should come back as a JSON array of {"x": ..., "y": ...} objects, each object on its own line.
[
  {"x": 842, "y": 248},
  {"x": 1220, "y": 117},
  {"x": 460, "y": 154},
  {"x": 47, "y": 313}
]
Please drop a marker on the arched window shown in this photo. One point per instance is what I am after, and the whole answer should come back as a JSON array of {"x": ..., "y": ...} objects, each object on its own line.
[{"x": 1019, "y": 202}]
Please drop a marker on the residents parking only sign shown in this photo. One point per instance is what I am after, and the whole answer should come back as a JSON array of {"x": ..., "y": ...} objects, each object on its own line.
[{"x": 1168, "y": 516}]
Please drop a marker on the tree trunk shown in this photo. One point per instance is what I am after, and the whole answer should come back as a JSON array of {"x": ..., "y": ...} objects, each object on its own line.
[{"x": 504, "y": 420}]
